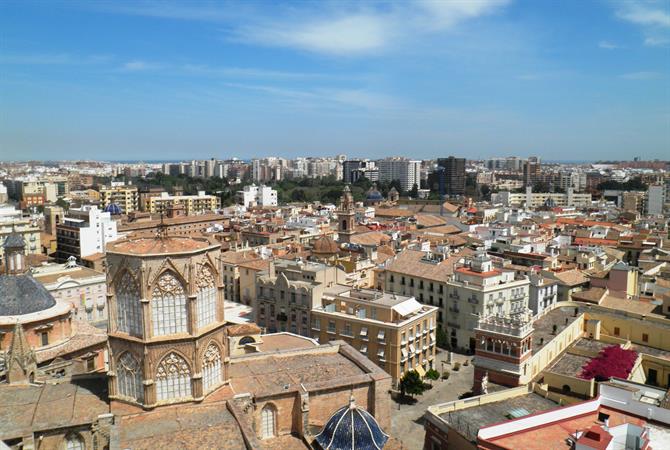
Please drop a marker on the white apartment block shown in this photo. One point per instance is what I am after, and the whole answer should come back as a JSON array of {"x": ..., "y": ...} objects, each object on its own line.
[
  {"x": 254, "y": 195},
  {"x": 11, "y": 219},
  {"x": 84, "y": 232},
  {"x": 408, "y": 172},
  {"x": 478, "y": 290}
]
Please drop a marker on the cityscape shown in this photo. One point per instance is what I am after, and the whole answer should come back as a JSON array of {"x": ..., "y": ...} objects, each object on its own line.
[{"x": 219, "y": 285}]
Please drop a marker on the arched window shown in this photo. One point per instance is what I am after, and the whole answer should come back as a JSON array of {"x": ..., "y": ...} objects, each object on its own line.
[
  {"x": 344, "y": 225},
  {"x": 211, "y": 368},
  {"x": 247, "y": 340},
  {"x": 173, "y": 378},
  {"x": 268, "y": 419},
  {"x": 168, "y": 306},
  {"x": 206, "y": 302},
  {"x": 74, "y": 441},
  {"x": 129, "y": 377},
  {"x": 128, "y": 306}
]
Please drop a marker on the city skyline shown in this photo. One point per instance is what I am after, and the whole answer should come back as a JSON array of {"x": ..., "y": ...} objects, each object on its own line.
[{"x": 174, "y": 81}]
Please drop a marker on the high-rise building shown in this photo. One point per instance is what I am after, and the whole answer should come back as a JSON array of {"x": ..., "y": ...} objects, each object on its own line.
[
  {"x": 531, "y": 170},
  {"x": 655, "y": 199},
  {"x": 407, "y": 172},
  {"x": 453, "y": 171}
]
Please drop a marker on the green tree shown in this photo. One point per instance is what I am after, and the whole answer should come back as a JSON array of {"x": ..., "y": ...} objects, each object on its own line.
[
  {"x": 411, "y": 384},
  {"x": 433, "y": 375},
  {"x": 414, "y": 193},
  {"x": 63, "y": 204},
  {"x": 442, "y": 338}
]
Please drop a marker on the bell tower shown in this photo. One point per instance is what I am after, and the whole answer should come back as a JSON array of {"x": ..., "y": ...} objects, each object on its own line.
[
  {"x": 15, "y": 258},
  {"x": 346, "y": 216}
]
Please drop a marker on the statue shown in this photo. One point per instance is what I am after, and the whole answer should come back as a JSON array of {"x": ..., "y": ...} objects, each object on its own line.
[{"x": 485, "y": 383}]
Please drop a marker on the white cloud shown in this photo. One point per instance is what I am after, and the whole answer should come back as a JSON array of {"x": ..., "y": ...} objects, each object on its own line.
[
  {"x": 139, "y": 66},
  {"x": 347, "y": 35},
  {"x": 644, "y": 14},
  {"x": 332, "y": 28},
  {"x": 607, "y": 45},
  {"x": 656, "y": 41},
  {"x": 644, "y": 75}
]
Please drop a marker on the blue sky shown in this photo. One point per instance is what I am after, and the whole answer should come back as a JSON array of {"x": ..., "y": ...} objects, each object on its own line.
[{"x": 566, "y": 80}]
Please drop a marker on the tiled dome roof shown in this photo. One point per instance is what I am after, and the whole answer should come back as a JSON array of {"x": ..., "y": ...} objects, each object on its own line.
[
  {"x": 325, "y": 245},
  {"x": 113, "y": 209},
  {"x": 22, "y": 294},
  {"x": 351, "y": 428}
]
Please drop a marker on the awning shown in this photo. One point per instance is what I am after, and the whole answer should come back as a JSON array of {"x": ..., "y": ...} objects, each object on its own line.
[
  {"x": 420, "y": 371},
  {"x": 364, "y": 348},
  {"x": 381, "y": 335},
  {"x": 432, "y": 337},
  {"x": 404, "y": 353},
  {"x": 380, "y": 353},
  {"x": 364, "y": 331},
  {"x": 407, "y": 307},
  {"x": 411, "y": 348}
]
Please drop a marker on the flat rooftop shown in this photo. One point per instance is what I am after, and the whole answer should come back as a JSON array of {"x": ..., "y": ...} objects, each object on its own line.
[
  {"x": 543, "y": 328},
  {"x": 468, "y": 421},
  {"x": 569, "y": 364},
  {"x": 367, "y": 295}
]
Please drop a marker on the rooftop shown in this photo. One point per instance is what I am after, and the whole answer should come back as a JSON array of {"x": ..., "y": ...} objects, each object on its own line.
[
  {"x": 184, "y": 426},
  {"x": 276, "y": 372},
  {"x": 22, "y": 294},
  {"x": 469, "y": 420},
  {"x": 157, "y": 246},
  {"x": 27, "y": 409},
  {"x": 543, "y": 328}
]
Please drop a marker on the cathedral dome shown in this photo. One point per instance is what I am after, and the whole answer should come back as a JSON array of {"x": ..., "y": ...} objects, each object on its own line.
[
  {"x": 325, "y": 245},
  {"x": 351, "y": 428},
  {"x": 113, "y": 209},
  {"x": 22, "y": 294}
]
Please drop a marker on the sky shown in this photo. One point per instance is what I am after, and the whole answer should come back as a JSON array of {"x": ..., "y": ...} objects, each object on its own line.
[{"x": 152, "y": 80}]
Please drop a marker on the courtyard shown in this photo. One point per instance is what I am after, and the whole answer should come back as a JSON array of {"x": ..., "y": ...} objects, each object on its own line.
[{"x": 407, "y": 417}]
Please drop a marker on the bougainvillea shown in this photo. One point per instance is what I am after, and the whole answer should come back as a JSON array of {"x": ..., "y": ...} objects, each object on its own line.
[{"x": 613, "y": 361}]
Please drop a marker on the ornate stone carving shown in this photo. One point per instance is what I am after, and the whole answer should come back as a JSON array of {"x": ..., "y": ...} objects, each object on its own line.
[
  {"x": 212, "y": 354},
  {"x": 172, "y": 365},
  {"x": 204, "y": 278},
  {"x": 168, "y": 284}
]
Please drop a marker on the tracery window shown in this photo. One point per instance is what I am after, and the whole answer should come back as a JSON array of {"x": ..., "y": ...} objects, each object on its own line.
[
  {"x": 206, "y": 301},
  {"x": 173, "y": 378},
  {"x": 211, "y": 368},
  {"x": 128, "y": 306},
  {"x": 74, "y": 441},
  {"x": 129, "y": 377},
  {"x": 268, "y": 418},
  {"x": 168, "y": 306}
]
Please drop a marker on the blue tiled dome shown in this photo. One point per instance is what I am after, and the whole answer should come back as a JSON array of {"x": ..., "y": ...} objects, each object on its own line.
[
  {"x": 375, "y": 195},
  {"x": 113, "y": 209},
  {"x": 351, "y": 428}
]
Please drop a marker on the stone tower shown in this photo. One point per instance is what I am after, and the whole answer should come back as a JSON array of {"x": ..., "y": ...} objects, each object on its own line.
[{"x": 346, "y": 216}]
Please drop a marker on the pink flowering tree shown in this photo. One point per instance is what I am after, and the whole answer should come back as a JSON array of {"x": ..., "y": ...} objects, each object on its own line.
[{"x": 613, "y": 361}]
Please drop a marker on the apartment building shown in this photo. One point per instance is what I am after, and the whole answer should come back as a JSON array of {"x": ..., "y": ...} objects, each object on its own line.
[
  {"x": 83, "y": 232},
  {"x": 394, "y": 331},
  {"x": 85, "y": 288},
  {"x": 12, "y": 220},
  {"x": 31, "y": 192},
  {"x": 288, "y": 292},
  {"x": 231, "y": 272},
  {"x": 408, "y": 172},
  {"x": 124, "y": 195},
  {"x": 478, "y": 290},
  {"x": 192, "y": 204},
  {"x": 420, "y": 275},
  {"x": 254, "y": 195},
  {"x": 537, "y": 199}
]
